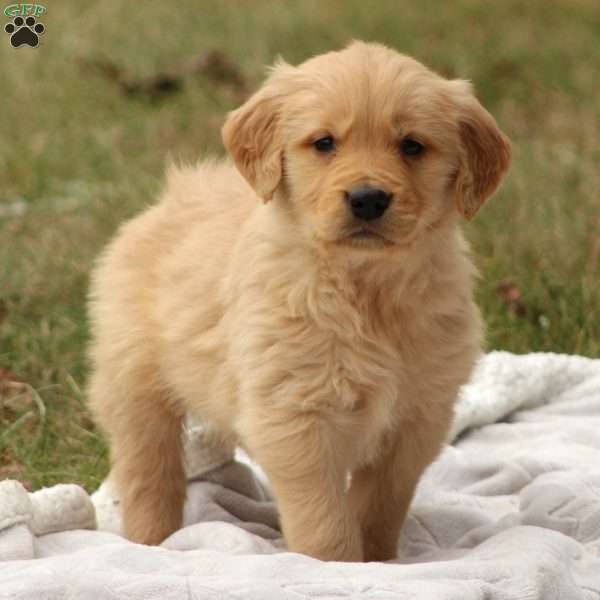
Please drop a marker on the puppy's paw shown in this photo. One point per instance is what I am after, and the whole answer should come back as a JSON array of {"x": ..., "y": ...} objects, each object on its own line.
[{"x": 377, "y": 550}]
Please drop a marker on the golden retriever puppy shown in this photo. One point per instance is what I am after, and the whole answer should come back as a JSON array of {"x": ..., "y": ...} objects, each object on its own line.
[{"x": 312, "y": 302}]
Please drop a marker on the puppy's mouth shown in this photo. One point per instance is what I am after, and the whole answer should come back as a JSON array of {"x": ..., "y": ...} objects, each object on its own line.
[{"x": 365, "y": 238}]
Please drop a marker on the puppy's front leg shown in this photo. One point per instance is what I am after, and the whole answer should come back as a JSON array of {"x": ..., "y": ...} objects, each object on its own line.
[
  {"x": 380, "y": 494},
  {"x": 305, "y": 460}
]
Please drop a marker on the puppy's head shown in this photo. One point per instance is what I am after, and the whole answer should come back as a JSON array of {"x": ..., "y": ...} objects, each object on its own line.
[{"x": 367, "y": 148}]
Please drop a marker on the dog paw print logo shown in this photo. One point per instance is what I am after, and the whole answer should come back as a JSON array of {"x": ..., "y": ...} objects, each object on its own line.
[{"x": 25, "y": 29}]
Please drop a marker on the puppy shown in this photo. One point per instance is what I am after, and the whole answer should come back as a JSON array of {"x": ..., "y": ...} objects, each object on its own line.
[{"x": 313, "y": 303}]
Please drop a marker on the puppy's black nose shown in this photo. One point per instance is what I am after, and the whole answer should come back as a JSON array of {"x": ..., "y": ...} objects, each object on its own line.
[{"x": 368, "y": 203}]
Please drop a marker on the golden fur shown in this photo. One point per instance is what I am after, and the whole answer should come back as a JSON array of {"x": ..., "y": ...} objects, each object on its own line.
[{"x": 322, "y": 346}]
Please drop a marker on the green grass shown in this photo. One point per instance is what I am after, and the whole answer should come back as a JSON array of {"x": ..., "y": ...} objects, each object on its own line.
[{"x": 82, "y": 156}]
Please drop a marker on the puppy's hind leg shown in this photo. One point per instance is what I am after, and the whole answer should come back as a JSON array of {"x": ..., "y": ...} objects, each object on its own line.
[{"x": 145, "y": 433}]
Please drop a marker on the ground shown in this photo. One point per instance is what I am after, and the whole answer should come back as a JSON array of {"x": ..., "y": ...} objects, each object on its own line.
[{"x": 90, "y": 116}]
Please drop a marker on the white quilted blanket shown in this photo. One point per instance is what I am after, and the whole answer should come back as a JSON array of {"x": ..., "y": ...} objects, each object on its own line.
[{"x": 510, "y": 510}]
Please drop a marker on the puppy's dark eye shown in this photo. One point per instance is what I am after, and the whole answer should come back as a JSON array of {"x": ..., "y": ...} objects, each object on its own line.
[
  {"x": 324, "y": 144},
  {"x": 411, "y": 147}
]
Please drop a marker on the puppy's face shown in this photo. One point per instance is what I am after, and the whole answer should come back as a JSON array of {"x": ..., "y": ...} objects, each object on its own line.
[{"x": 366, "y": 148}]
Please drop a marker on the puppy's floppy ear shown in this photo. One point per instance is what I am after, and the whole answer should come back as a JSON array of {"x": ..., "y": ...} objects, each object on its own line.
[
  {"x": 253, "y": 137},
  {"x": 484, "y": 154}
]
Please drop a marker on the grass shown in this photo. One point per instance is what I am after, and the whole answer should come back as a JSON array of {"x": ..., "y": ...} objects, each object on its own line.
[{"x": 81, "y": 156}]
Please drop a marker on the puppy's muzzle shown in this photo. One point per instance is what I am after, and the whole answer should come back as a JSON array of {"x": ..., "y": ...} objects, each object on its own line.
[{"x": 367, "y": 203}]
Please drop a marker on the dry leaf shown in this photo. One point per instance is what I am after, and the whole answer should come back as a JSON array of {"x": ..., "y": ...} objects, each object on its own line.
[{"x": 510, "y": 295}]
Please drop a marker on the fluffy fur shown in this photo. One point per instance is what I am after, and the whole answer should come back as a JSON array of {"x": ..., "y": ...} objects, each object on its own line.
[{"x": 251, "y": 297}]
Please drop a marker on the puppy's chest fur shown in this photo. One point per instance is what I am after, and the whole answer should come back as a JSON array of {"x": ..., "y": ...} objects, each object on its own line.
[
  {"x": 344, "y": 346},
  {"x": 359, "y": 355},
  {"x": 358, "y": 358}
]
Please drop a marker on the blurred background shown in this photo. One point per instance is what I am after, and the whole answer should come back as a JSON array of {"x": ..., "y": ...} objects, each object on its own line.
[{"x": 89, "y": 118}]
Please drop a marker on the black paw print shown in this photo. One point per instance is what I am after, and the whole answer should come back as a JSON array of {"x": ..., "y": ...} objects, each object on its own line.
[{"x": 24, "y": 31}]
